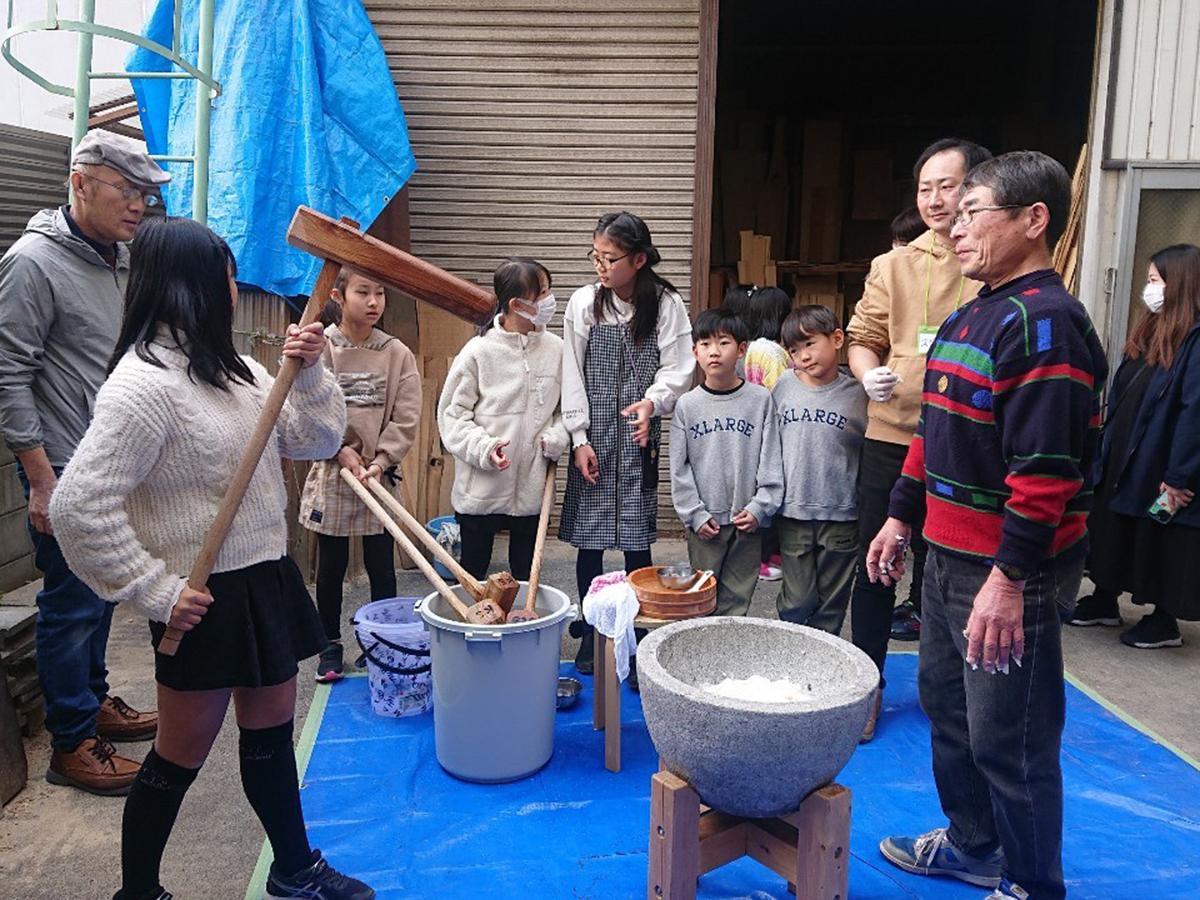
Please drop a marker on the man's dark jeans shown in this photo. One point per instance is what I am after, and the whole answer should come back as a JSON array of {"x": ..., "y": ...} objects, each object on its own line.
[
  {"x": 871, "y": 604},
  {"x": 72, "y": 639},
  {"x": 996, "y": 738}
]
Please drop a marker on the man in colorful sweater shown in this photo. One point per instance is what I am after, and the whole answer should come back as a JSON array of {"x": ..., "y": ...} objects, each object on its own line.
[{"x": 999, "y": 467}]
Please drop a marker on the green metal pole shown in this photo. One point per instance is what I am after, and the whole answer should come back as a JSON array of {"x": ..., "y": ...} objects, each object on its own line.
[
  {"x": 83, "y": 85},
  {"x": 203, "y": 112}
]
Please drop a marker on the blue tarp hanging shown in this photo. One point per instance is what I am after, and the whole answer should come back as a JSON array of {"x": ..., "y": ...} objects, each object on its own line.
[{"x": 308, "y": 114}]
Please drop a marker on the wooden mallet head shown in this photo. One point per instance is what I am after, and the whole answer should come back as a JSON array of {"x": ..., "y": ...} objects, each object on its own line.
[{"x": 500, "y": 588}]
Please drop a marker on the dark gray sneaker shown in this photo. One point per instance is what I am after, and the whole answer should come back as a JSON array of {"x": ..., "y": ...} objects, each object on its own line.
[
  {"x": 320, "y": 881},
  {"x": 933, "y": 854},
  {"x": 329, "y": 666}
]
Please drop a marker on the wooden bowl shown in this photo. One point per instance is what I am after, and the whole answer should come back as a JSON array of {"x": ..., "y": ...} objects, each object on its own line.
[{"x": 658, "y": 602}]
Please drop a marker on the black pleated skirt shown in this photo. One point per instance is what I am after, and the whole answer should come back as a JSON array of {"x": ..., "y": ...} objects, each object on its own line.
[
  {"x": 261, "y": 624},
  {"x": 1158, "y": 564}
]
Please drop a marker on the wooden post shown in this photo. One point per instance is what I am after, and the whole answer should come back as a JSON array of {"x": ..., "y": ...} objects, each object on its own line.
[
  {"x": 823, "y": 844},
  {"x": 612, "y": 707},
  {"x": 674, "y": 839},
  {"x": 599, "y": 682}
]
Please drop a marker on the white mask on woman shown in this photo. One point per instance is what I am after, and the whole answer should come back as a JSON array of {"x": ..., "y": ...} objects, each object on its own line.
[
  {"x": 1152, "y": 296},
  {"x": 545, "y": 311}
]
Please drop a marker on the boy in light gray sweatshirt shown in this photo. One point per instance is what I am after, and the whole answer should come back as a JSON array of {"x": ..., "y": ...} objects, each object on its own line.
[
  {"x": 822, "y": 419},
  {"x": 726, "y": 471}
]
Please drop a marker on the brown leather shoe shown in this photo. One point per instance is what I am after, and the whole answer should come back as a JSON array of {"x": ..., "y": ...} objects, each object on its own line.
[
  {"x": 93, "y": 766},
  {"x": 868, "y": 734},
  {"x": 118, "y": 721}
]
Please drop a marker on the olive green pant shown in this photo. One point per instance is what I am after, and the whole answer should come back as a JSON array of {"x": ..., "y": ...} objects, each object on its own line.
[
  {"x": 818, "y": 571},
  {"x": 734, "y": 556}
]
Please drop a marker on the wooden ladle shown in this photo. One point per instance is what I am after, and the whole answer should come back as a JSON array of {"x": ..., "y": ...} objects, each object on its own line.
[
  {"x": 528, "y": 613},
  {"x": 483, "y": 613}
]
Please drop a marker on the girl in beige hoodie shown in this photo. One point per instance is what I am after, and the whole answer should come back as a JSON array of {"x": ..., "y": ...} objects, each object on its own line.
[{"x": 499, "y": 417}]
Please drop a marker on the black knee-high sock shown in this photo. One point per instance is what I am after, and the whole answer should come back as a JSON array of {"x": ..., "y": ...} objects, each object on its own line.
[
  {"x": 149, "y": 816},
  {"x": 273, "y": 789}
]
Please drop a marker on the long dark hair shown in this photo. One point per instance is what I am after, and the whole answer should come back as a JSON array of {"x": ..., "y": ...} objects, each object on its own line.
[
  {"x": 765, "y": 310},
  {"x": 516, "y": 278},
  {"x": 1158, "y": 336},
  {"x": 630, "y": 233},
  {"x": 179, "y": 279}
]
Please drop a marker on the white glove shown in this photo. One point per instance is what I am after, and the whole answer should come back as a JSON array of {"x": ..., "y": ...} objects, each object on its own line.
[{"x": 879, "y": 383}]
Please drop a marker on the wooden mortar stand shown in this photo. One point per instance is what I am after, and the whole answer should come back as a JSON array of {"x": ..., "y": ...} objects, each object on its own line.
[
  {"x": 529, "y": 613},
  {"x": 485, "y": 613},
  {"x": 500, "y": 588},
  {"x": 338, "y": 243},
  {"x": 810, "y": 848}
]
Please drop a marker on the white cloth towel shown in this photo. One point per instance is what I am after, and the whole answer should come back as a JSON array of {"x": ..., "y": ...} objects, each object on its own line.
[{"x": 610, "y": 607}]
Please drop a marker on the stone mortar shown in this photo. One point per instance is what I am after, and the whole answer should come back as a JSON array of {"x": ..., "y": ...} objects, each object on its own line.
[{"x": 751, "y": 758}]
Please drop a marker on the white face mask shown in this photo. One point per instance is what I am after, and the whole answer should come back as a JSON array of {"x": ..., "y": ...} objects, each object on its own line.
[
  {"x": 1152, "y": 296},
  {"x": 545, "y": 311}
]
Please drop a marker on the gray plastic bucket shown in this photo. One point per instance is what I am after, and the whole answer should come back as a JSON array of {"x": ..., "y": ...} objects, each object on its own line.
[{"x": 495, "y": 688}]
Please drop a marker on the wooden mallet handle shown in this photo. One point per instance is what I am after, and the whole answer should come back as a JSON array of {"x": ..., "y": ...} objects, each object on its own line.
[
  {"x": 402, "y": 539},
  {"x": 465, "y": 578},
  {"x": 535, "y": 574},
  {"x": 288, "y": 369}
]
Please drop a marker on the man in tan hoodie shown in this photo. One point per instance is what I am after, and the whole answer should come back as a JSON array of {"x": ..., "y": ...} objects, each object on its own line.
[{"x": 908, "y": 294}]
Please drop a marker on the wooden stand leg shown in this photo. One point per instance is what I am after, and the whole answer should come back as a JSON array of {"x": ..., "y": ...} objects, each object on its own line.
[
  {"x": 612, "y": 709},
  {"x": 823, "y": 844},
  {"x": 674, "y": 839},
  {"x": 599, "y": 682}
]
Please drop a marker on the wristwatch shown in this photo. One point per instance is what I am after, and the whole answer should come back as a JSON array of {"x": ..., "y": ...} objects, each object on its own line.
[{"x": 1011, "y": 572}]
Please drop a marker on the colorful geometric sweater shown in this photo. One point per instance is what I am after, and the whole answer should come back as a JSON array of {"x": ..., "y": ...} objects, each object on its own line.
[{"x": 1009, "y": 427}]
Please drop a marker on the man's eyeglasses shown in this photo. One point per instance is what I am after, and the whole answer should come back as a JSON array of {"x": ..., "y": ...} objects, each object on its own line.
[
  {"x": 602, "y": 262},
  {"x": 966, "y": 215},
  {"x": 128, "y": 192}
]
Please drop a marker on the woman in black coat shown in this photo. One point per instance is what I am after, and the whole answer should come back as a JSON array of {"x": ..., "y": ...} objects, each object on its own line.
[{"x": 1151, "y": 449}]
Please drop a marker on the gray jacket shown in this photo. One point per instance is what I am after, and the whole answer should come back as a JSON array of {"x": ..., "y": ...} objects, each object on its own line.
[{"x": 60, "y": 314}]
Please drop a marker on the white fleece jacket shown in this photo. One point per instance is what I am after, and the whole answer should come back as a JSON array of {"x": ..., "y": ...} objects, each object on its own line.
[
  {"x": 503, "y": 386},
  {"x": 134, "y": 503}
]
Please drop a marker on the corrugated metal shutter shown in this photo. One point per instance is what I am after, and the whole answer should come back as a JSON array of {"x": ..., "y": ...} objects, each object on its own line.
[
  {"x": 33, "y": 170},
  {"x": 531, "y": 118},
  {"x": 33, "y": 174},
  {"x": 1155, "y": 98}
]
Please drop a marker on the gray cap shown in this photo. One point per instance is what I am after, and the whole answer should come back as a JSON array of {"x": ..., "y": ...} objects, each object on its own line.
[{"x": 103, "y": 148}]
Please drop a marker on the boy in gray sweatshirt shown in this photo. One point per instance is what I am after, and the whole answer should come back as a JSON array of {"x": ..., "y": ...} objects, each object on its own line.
[
  {"x": 822, "y": 419},
  {"x": 726, "y": 471}
]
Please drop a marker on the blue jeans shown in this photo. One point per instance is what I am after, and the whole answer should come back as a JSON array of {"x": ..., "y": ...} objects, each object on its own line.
[
  {"x": 996, "y": 738},
  {"x": 72, "y": 638}
]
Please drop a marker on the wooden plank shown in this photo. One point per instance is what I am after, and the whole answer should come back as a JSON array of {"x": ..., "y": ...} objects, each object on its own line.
[
  {"x": 821, "y": 197},
  {"x": 773, "y": 843},
  {"x": 722, "y": 839},
  {"x": 872, "y": 194}
]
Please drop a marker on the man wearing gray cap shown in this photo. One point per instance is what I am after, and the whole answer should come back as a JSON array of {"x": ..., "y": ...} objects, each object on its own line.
[{"x": 62, "y": 289}]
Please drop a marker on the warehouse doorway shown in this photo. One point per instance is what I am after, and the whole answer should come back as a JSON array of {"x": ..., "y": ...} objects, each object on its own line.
[{"x": 821, "y": 108}]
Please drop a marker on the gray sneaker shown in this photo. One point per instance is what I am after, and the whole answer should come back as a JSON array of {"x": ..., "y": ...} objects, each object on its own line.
[{"x": 933, "y": 854}]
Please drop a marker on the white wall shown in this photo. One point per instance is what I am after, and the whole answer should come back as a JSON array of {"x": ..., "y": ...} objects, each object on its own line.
[{"x": 52, "y": 55}]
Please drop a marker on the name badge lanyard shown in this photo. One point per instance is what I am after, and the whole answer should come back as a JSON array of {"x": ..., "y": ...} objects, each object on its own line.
[{"x": 926, "y": 333}]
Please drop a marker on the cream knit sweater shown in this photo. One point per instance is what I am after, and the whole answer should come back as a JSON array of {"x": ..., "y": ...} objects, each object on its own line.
[{"x": 136, "y": 499}]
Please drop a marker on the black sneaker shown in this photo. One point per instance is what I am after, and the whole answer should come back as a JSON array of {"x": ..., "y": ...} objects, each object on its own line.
[
  {"x": 906, "y": 623},
  {"x": 1153, "y": 632},
  {"x": 320, "y": 881},
  {"x": 1093, "y": 610},
  {"x": 329, "y": 666}
]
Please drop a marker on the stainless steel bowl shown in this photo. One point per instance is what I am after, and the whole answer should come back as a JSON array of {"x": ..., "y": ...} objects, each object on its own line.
[
  {"x": 568, "y": 692},
  {"x": 676, "y": 577}
]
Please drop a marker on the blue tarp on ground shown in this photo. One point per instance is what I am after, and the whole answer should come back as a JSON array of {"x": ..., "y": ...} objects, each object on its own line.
[
  {"x": 380, "y": 807},
  {"x": 308, "y": 114}
]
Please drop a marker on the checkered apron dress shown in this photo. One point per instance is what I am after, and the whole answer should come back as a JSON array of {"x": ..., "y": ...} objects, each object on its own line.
[{"x": 616, "y": 513}]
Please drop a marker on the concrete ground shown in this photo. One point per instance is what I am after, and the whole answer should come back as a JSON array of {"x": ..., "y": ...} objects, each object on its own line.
[{"x": 58, "y": 842}]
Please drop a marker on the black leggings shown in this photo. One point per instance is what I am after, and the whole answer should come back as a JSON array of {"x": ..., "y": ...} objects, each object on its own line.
[
  {"x": 479, "y": 535},
  {"x": 333, "y": 556},
  {"x": 590, "y": 563}
]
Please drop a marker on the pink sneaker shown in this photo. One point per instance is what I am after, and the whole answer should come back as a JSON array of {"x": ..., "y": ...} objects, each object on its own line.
[{"x": 767, "y": 572}]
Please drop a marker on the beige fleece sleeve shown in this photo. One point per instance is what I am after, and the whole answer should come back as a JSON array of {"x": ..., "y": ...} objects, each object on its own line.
[
  {"x": 869, "y": 325},
  {"x": 400, "y": 431}
]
